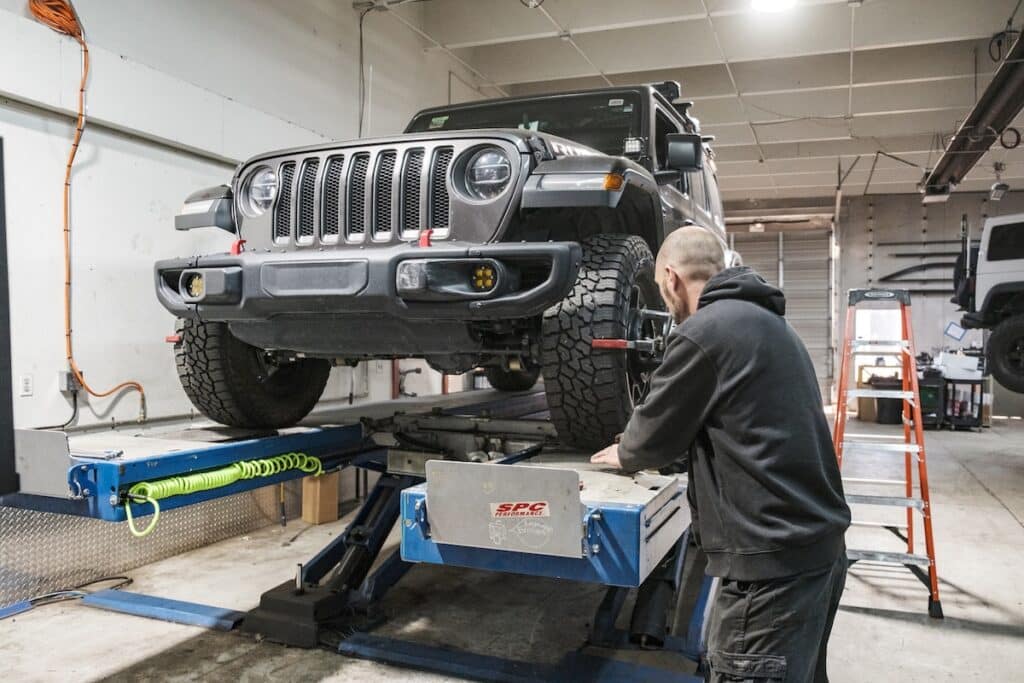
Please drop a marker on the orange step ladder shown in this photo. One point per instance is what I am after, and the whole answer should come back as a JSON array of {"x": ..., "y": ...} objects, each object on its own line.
[{"x": 912, "y": 446}]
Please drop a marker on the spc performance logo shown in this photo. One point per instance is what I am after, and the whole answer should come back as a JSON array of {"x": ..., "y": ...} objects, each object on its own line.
[{"x": 537, "y": 508}]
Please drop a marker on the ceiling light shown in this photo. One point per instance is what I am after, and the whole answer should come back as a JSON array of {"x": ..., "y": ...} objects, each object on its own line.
[
  {"x": 771, "y": 5},
  {"x": 757, "y": 227}
]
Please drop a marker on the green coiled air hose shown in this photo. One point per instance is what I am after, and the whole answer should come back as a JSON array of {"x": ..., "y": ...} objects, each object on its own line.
[{"x": 152, "y": 491}]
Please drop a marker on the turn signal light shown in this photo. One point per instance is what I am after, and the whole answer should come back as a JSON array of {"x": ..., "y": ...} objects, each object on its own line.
[
  {"x": 483, "y": 278},
  {"x": 613, "y": 181}
]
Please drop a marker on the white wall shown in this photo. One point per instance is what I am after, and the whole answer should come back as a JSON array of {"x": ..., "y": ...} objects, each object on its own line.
[
  {"x": 179, "y": 93},
  {"x": 870, "y": 220}
]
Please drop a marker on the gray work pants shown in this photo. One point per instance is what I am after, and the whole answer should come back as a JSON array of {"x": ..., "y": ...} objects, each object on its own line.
[{"x": 776, "y": 630}]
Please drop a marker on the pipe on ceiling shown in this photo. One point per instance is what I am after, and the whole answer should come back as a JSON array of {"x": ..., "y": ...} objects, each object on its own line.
[{"x": 1002, "y": 100}]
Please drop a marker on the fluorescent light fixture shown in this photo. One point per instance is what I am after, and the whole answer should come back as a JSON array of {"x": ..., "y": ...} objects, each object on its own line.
[
  {"x": 757, "y": 227},
  {"x": 771, "y": 5}
]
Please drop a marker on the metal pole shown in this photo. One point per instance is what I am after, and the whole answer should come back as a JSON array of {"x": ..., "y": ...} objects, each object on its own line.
[{"x": 8, "y": 474}]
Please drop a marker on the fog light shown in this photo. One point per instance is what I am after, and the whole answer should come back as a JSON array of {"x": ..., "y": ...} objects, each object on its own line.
[
  {"x": 483, "y": 278},
  {"x": 194, "y": 286}
]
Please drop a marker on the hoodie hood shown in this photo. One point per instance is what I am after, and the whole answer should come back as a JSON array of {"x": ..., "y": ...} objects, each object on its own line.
[{"x": 743, "y": 283}]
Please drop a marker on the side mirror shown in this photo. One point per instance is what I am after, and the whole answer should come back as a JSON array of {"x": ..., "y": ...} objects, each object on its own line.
[{"x": 685, "y": 152}]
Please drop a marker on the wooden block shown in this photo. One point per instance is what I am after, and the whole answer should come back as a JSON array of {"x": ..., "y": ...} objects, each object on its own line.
[{"x": 320, "y": 498}]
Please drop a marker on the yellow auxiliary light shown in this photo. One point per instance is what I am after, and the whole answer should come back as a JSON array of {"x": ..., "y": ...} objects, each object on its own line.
[
  {"x": 195, "y": 286},
  {"x": 483, "y": 278}
]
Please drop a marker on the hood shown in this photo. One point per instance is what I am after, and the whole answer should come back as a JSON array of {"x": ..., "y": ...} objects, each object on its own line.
[{"x": 743, "y": 283}]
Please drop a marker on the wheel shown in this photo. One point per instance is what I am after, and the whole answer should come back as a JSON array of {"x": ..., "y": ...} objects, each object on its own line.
[
  {"x": 592, "y": 393},
  {"x": 1005, "y": 353},
  {"x": 240, "y": 385},
  {"x": 512, "y": 380}
]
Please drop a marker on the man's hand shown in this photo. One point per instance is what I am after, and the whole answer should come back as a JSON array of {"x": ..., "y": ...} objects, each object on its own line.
[{"x": 608, "y": 456}]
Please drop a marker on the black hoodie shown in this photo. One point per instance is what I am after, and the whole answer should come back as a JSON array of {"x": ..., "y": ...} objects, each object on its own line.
[{"x": 736, "y": 397}]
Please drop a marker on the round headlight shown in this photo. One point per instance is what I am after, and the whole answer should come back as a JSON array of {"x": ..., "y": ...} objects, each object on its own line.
[
  {"x": 488, "y": 173},
  {"x": 260, "y": 191}
]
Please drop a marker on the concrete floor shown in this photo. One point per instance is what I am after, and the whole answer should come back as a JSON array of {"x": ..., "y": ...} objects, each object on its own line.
[{"x": 882, "y": 631}]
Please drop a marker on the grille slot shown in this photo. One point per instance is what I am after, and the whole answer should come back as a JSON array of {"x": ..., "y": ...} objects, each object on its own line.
[
  {"x": 411, "y": 191},
  {"x": 357, "y": 195},
  {"x": 439, "y": 200},
  {"x": 307, "y": 199},
  {"x": 383, "y": 180},
  {"x": 283, "y": 211},
  {"x": 331, "y": 219}
]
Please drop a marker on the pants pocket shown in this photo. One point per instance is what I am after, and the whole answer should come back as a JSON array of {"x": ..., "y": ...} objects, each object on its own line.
[{"x": 728, "y": 666}]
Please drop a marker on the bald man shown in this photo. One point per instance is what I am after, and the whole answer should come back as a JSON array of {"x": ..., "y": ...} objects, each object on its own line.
[{"x": 737, "y": 402}]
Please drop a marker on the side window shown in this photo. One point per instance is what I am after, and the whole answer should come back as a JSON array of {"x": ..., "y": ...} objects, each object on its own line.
[
  {"x": 663, "y": 125},
  {"x": 1006, "y": 242},
  {"x": 695, "y": 182},
  {"x": 711, "y": 190}
]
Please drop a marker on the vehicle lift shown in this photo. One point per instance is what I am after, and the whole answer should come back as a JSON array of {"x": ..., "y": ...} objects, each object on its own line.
[{"x": 470, "y": 483}]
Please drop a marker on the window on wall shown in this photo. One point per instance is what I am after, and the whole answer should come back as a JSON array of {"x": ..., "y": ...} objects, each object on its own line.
[{"x": 1006, "y": 242}]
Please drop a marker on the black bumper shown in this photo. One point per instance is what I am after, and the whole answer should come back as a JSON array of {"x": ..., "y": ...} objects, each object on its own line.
[{"x": 362, "y": 281}]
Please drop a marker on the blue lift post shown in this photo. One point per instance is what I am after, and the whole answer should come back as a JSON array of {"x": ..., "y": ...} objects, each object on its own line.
[{"x": 336, "y": 590}]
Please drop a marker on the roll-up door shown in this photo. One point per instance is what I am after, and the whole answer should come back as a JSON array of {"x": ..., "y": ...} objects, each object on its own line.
[{"x": 799, "y": 262}]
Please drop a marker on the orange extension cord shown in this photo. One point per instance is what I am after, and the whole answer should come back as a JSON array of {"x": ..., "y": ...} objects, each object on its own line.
[{"x": 60, "y": 15}]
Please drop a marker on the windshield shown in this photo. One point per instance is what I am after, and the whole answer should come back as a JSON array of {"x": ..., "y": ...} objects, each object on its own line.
[{"x": 599, "y": 121}]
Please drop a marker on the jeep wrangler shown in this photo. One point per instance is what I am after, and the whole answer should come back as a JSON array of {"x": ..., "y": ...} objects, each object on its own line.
[
  {"x": 505, "y": 234},
  {"x": 989, "y": 285}
]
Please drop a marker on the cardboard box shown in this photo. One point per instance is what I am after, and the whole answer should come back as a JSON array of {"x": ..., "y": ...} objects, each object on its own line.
[{"x": 320, "y": 498}]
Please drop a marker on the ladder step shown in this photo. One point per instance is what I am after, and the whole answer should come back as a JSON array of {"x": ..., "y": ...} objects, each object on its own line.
[
  {"x": 860, "y": 343},
  {"x": 884, "y": 557},
  {"x": 896, "y": 501},
  {"x": 875, "y": 446},
  {"x": 880, "y": 525},
  {"x": 859, "y": 480},
  {"x": 880, "y": 393}
]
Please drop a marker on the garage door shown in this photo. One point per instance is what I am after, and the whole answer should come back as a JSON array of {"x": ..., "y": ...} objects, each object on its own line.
[{"x": 801, "y": 263}]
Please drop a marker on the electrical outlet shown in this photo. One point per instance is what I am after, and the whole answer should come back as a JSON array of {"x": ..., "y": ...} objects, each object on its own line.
[
  {"x": 66, "y": 382},
  {"x": 26, "y": 385}
]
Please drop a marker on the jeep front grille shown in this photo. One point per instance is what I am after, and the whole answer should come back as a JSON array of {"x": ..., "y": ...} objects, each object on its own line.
[
  {"x": 283, "y": 210},
  {"x": 439, "y": 202},
  {"x": 357, "y": 196},
  {"x": 307, "y": 199},
  {"x": 382, "y": 195},
  {"x": 332, "y": 198},
  {"x": 411, "y": 189},
  {"x": 378, "y": 193}
]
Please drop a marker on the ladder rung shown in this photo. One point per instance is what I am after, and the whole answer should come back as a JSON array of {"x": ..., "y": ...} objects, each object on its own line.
[
  {"x": 858, "y": 480},
  {"x": 884, "y": 437},
  {"x": 880, "y": 525},
  {"x": 858, "y": 343},
  {"x": 884, "y": 557},
  {"x": 880, "y": 393},
  {"x": 897, "y": 501},
  {"x": 874, "y": 446}
]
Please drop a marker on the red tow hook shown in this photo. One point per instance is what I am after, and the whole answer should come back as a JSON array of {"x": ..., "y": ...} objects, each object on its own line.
[
  {"x": 236, "y": 247},
  {"x": 173, "y": 338},
  {"x": 613, "y": 344},
  {"x": 425, "y": 237}
]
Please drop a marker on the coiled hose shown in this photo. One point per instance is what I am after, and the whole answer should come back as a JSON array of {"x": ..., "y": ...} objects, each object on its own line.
[{"x": 152, "y": 491}]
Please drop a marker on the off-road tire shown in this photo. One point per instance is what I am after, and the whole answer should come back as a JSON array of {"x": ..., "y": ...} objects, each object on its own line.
[
  {"x": 588, "y": 391},
  {"x": 511, "y": 380},
  {"x": 1005, "y": 343},
  {"x": 221, "y": 375}
]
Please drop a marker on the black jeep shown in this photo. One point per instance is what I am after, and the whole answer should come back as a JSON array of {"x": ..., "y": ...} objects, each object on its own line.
[{"x": 506, "y": 234}]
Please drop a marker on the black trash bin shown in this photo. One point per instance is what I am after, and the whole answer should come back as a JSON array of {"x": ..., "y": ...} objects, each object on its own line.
[
  {"x": 889, "y": 410},
  {"x": 933, "y": 397}
]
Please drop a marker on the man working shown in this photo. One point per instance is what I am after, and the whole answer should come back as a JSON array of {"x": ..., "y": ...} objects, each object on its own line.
[{"x": 737, "y": 399}]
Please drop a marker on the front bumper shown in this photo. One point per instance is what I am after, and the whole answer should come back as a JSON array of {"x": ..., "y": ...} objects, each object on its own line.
[{"x": 255, "y": 286}]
